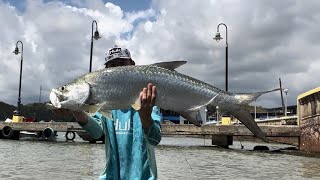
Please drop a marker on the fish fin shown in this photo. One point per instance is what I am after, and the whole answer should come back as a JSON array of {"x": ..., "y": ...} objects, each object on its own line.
[
  {"x": 107, "y": 114},
  {"x": 246, "y": 98},
  {"x": 196, "y": 108},
  {"x": 92, "y": 109},
  {"x": 137, "y": 105},
  {"x": 245, "y": 117},
  {"x": 193, "y": 116},
  {"x": 50, "y": 106},
  {"x": 171, "y": 65}
]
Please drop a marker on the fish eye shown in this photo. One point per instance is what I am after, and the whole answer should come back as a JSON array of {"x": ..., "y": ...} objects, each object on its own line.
[{"x": 62, "y": 88}]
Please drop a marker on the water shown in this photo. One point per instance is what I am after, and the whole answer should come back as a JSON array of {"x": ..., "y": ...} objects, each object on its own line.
[{"x": 177, "y": 158}]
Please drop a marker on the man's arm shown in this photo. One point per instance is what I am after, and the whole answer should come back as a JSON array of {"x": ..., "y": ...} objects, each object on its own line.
[
  {"x": 92, "y": 125},
  {"x": 150, "y": 115},
  {"x": 153, "y": 132}
]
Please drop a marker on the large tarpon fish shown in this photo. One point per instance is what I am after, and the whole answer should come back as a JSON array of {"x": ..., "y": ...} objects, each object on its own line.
[{"x": 119, "y": 88}]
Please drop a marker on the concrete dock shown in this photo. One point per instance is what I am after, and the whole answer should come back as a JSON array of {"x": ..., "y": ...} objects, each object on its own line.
[
  {"x": 40, "y": 126},
  {"x": 306, "y": 133},
  {"x": 221, "y": 134},
  {"x": 179, "y": 129}
]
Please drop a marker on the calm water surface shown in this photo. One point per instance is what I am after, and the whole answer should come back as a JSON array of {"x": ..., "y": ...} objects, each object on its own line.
[{"x": 177, "y": 158}]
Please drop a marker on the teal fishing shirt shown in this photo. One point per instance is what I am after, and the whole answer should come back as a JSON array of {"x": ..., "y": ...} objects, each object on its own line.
[{"x": 129, "y": 148}]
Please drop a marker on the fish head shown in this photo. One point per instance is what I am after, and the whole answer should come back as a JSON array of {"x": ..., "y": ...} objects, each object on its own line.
[{"x": 71, "y": 96}]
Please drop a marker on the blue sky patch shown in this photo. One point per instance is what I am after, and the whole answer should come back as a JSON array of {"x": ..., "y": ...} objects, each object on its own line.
[{"x": 125, "y": 5}]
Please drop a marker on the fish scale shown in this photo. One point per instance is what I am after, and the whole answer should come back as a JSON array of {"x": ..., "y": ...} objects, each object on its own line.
[{"x": 119, "y": 88}]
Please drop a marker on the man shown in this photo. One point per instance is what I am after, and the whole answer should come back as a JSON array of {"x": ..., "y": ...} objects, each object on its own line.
[{"x": 131, "y": 137}]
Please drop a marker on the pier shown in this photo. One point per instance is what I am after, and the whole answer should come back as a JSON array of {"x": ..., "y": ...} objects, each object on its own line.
[
  {"x": 178, "y": 129},
  {"x": 222, "y": 135},
  {"x": 306, "y": 134}
]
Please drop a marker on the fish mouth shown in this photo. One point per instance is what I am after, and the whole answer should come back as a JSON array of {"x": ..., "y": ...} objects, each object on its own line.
[{"x": 55, "y": 99}]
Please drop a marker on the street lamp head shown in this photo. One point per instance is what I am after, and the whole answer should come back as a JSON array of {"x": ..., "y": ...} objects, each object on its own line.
[
  {"x": 16, "y": 51},
  {"x": 217, "y": 107},
  {"x": 96, "y": 35},
  {"x": 286, "y": 90},
  {"x": 218, "y": 37}
]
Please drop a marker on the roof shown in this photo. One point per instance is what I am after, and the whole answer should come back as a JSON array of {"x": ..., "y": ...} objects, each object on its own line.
[{"x": 315, "y": 90}]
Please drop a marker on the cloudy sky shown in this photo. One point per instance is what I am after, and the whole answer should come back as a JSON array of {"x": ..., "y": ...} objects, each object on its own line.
[{"x": 267, "y": 40}]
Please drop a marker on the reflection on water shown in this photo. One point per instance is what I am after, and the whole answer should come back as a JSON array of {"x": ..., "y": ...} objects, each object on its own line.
[{"x": 177, "y": 158}]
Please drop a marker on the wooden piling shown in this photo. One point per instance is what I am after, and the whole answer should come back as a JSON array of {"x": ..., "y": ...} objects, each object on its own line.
[{"x": 222, "y": 140}]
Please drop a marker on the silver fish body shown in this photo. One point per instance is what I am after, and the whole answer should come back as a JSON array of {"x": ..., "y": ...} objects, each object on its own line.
[{"x": 119, "y": 88}]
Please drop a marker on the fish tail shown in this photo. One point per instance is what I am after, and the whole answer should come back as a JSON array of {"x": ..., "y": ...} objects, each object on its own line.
[
  {"x": 246, "y": 98},
  {"x": 238, "y": 111},
  {"x": 245, "y": 117}
]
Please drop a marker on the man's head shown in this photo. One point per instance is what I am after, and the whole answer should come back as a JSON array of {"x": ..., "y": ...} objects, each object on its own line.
[{"x": 118, "y": 56}]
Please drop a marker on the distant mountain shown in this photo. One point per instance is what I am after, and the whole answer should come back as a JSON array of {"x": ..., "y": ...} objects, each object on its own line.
[
  {"x": 6, "y": 111},
  {"x": 37, "y": 111}
]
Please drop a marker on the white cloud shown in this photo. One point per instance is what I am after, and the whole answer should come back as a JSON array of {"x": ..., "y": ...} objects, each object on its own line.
[{"x": 267, "y": 40}]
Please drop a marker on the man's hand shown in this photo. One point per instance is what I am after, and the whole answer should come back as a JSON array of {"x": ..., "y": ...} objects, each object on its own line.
[{"x": 148, "y": 99}]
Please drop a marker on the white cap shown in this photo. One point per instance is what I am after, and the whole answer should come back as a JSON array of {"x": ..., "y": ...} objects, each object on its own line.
[{"x": 118, "y": 52}]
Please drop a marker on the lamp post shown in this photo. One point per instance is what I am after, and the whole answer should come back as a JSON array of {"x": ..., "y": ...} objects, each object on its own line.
[
  {"x": 40, "y": 94},
  {"x": 95, "y": 36},
  {"x": 206, "y": 119},
  {"x": 218, "y": 38},
  {"x": 16, "y": 52},
  {"x": 255, "y": 110},
  {"x": 286, "y": 107},
  {"x": 217, "y": 114}
]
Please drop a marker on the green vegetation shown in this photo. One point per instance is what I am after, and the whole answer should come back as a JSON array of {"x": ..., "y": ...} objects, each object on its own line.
[
  {"x": 40, "y": 113},
  {"x": 35, "y": 110}
]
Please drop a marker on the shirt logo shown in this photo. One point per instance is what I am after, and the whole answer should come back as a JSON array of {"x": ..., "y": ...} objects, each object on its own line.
[{"x": 123, "y": 127}]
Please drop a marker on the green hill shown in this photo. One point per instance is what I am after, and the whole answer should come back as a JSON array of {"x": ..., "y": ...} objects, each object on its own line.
[
  {"x": 34, "y": 110},
  {"x": 6, "y": 111}
]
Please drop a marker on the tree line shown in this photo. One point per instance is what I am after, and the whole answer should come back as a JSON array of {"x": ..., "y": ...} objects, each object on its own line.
[{"x": 37, "y": 111}]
